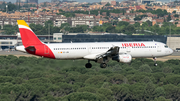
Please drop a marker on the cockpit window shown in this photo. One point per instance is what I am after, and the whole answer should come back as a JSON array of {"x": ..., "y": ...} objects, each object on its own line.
[{"x": 165, "y": 46}]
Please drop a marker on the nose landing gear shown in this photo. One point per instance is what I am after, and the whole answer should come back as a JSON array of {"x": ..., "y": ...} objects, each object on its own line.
[{"x": 154, "y": 58}]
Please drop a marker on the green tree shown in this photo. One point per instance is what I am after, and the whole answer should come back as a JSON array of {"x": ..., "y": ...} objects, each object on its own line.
[
  {"x": 120, "y": 92},
  {"x": 171, "y": 91},
  {"x": 111, "y": 29},
  {"x": 107, "y": 93},
  {"x": 96, "y": 81},
  {"x": 137, "y": 18},
  {"x": 108, "y": 4},
  {"x": 176, "y": 15},
  {"x": 87, "y": 89},
  {"x": 161, "y": 98},
  {"x": 145, "y": 68},
  {"x": 122, "y": 23},
  {"x": 174, "y": 12},
  {"x": 11, "y": 7},
  {"x": 159, "y": 91},
  {"x": 169, "y": 18},
  {"x": 149, "y": 91},
  {"x": 149, "y": 23},
  {"x": 137, "y": 24},
  {"x": 130, "y": 29},
  {"x": 83, "y": 96}
]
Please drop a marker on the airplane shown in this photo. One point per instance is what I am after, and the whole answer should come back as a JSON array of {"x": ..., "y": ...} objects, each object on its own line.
[{"x": 100, "y": 52}]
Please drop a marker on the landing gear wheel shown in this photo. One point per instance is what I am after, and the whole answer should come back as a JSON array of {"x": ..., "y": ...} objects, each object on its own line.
[
  {"x": 88, "y": 65},
  {"x": 154, "y": 58},
  {"x": 103, "y": 65},
  {"x": 155, "y": 64}
]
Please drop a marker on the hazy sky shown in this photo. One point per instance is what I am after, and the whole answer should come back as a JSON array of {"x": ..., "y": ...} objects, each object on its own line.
[
  {"x": 61, "y": 0},
  {"x": 83, "y": 0}
]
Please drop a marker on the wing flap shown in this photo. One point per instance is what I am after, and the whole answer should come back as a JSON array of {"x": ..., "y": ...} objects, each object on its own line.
[{"x": 113, "y": 51}]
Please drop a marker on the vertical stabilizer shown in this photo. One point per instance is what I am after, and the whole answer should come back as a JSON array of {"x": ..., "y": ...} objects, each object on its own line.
[{"x": 27, "y": 35}]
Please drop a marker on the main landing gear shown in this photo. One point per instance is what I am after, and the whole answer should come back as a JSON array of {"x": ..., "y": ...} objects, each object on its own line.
[
  {"x": 103, "y": 65},
  {"x": 154, "y": 58},
  {"x": 88, "y": 65}
]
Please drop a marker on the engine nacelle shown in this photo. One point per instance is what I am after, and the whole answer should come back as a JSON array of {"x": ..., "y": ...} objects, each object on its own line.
[{"x": 124, "y": 58}]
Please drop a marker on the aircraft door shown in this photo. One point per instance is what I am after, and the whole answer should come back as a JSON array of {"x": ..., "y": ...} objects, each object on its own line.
[
  {"x": 89, "y": 49},
  {"x": 46, "y": 49},
  {"x": 128, "y": 49},
  {"x": 158, "y": 48}
]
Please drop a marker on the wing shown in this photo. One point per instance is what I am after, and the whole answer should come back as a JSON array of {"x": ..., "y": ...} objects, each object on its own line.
[
  {"x": 113, "y": 51},
  {"x": 104, "y": 57}
]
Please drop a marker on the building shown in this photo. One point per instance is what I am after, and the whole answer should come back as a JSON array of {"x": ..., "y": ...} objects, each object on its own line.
[
  {"x": 53, "y": 1},
  {"x": 146, "y": 1},
  {"x": 112, "y": 38},
  {"x": 106, "y": 1},
  {"x": 33, "y": 1},
  {"x": 58, "y": 20},
  {"x": 90, "y": 21},
  {"x": 11, "y": 19},
  {"x": 113, "y": 3},
  {"x": 22, "y": 1}
]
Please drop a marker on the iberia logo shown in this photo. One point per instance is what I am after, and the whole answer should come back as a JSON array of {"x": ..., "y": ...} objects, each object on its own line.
[{"x": 133, "y": 44}]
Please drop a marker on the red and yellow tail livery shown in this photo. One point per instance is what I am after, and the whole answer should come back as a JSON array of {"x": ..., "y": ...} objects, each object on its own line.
[{"x": 31, "y": 42}]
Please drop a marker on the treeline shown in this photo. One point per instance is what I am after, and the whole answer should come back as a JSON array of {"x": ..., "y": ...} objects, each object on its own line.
[
  {"x": 159, "y": 12},
  {"x": 145, "y": 28},
  {"x": 42, "y": 79},
  {"x": 92, "y": 12},
  {"x": 137, "y": 28},
  {"x": 11, "y": 7}
]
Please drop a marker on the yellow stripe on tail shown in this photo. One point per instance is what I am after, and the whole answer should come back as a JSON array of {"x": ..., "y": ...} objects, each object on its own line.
[{"x": 22, "y": 22}]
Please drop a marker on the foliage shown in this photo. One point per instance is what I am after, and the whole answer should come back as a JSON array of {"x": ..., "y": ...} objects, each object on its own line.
[
  {"x": 9, "y": 29},
  {"x": 176, "y": 15},
  {"x": 108, "y": 4},
  {"x": 159, "y": 12},
  {"x": 93, "y": 12},
  {"x": 138, "y": 18},
  {"x": 31, "y": 78},
  {"x": 11, "y": 6},
  {"x": 169, "y": 18}
]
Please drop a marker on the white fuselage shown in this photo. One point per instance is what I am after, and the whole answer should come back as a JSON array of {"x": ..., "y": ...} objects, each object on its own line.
[{"x": 135, "y": 49}]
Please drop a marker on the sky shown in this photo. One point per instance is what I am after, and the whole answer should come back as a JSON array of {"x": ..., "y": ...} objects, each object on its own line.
[
  {"x": 82, "y": 0},
  {"x": 61, "y": 0}
]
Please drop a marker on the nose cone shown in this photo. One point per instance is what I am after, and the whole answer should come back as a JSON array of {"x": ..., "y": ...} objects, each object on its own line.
[{"x": 170, "y": 51}]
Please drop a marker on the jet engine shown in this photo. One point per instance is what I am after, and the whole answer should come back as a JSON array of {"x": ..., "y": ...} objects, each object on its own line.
[{"x": 124, "y": 58}]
